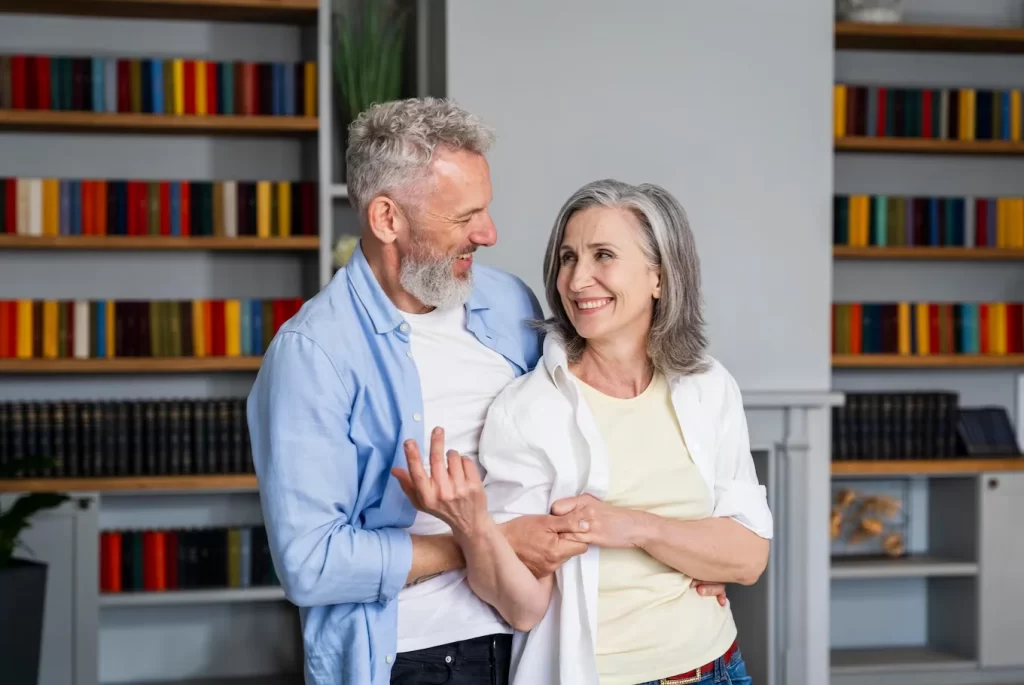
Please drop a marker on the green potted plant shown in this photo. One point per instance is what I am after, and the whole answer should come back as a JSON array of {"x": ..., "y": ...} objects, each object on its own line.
[
  {"x": 22, "y": 581},
  {"x": 368, "y": 57}
]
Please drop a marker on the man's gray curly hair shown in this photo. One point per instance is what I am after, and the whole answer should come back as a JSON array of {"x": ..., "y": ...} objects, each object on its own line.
[{"x": 390, "y": 145}]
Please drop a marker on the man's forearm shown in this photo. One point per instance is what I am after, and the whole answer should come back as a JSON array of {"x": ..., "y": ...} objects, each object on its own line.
[{"x": 433, "y": 555}]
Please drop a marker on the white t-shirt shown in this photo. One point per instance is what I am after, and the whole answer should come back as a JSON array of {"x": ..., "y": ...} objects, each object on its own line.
[{"x": 459, "y": 378}]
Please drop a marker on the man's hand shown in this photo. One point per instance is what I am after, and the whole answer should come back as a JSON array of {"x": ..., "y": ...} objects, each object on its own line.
[
  {"x": 537, "y": 543},
  {"x": 599, "y": 523},
  {"x": 453, "y": 493}
]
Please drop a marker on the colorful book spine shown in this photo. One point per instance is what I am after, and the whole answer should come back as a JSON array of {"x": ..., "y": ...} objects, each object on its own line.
[
  {"x": 927, "y": 221},
  {"x": 225, "y": 209},
  {"x": 928, "y": 328},
  {"x": 103, "y": 329},
  {"x": 954, "y": 113},
  {"x": 172, "y": 86}
]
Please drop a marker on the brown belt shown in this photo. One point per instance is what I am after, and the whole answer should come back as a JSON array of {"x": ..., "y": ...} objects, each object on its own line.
[{"x": 696, "y": 674}]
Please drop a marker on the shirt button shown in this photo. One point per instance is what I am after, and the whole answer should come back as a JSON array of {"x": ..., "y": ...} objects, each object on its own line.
[
  {"x": 448, "y": 659},
  {"x": 404, "y": 327},
  {"x": 417, "y": 417},
  {"x": 388, "y": 658}
]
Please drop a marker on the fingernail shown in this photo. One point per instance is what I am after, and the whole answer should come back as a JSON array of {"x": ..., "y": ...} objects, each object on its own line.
[
  {"x": 703, "y": 591},
  {"x": 437, "y": 430},
  {"x": 584, "y": 526}
]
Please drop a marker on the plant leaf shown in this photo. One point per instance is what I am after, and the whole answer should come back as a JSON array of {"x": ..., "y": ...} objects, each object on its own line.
[{"x": 17, "y": 518}]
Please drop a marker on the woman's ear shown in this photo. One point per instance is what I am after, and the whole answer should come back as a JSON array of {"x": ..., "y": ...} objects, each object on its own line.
[{"x": 657, "y": 282}]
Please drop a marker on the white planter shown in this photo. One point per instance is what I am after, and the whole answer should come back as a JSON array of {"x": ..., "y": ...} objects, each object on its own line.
[{"x": 871, "y": 11}]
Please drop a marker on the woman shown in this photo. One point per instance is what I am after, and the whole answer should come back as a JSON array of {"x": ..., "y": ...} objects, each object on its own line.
[{"x": 628, "y": 426}]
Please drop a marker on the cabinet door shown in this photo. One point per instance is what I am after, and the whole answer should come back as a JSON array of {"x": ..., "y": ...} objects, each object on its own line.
[
  {"x": 65, "y": 540},
  {"x": 1001, "y": 610}
]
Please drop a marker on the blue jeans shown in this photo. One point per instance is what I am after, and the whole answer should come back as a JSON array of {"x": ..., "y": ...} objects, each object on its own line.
[{"x": 732, "y": 673}]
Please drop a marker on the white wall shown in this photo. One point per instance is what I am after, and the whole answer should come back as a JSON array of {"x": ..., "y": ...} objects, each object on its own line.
[{"x": 725, "y": 103}]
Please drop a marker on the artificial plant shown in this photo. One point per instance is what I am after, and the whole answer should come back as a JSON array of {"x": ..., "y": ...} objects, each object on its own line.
[
  {"x": 16, "y": 517},
  {"x": 368, "y": 59}
]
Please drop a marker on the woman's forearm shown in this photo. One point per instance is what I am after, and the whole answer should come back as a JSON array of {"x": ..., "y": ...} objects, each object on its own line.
[
  {"x": 716, "y": 549},
  {"x": 499, "y": 578}
]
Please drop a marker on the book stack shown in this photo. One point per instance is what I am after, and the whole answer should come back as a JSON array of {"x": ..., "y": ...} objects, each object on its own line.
[
  {"x": 50, "y": 206},
  {"x": 185, "y": 559},
  {"x": 928, "y": 328},
  {"x": 145, "y": 85},
  {"x": 83, "y": 438},
  {"x": 889, "y": 221},
  {"x": 954, "y": 113},
  {"x": 104, "y": 329},
  {"x": 918, "y": 425}
]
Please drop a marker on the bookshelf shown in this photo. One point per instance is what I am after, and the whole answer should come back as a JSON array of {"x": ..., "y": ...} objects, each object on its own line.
[
  {"x": 928, "y": 38},
  {"x": 133, "y": 365},
  {"x": 923, "y": 253},
  {"x": 271, "y": 11},
  {"x": 136, "y": 484},
  {"x": 38, "y": 120},
  {"x": 170, "y": 243},
  {"x": 926, "y": 146},
  {"x": 937, "y": 613},
  {"x": 934, "y": 361}
]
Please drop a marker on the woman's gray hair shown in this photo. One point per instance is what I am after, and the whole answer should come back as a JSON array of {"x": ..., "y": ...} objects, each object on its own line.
[
  {"x": 391, "y": 144},
  {"x": 677, "y": 343}
]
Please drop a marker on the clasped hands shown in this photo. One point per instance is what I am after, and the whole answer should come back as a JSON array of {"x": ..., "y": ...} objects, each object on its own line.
[{"x": 454, "y": 493}]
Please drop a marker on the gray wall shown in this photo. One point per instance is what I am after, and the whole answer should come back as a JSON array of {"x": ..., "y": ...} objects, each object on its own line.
[
  {"x": 725, "y": 103},
  {"x": 868, "y": 613}
]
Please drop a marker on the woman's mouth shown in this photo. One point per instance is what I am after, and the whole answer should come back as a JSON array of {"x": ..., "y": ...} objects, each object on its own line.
[{"x": 592, "y": 304}]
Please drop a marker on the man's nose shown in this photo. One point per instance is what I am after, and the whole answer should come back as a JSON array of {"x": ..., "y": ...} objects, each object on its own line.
[{"x": 485, "y": 233}]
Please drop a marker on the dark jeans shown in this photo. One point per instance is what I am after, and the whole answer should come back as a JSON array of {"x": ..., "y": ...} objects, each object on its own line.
[
  {"x": 732, "y": 673},
  {"x": 479, "y": 661}
]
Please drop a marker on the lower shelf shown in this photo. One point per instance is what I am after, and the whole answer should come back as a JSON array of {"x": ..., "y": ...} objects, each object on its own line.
[
  {"x": 212, "y": 596},
  {"x": 890, "y": 659},
  {"x": 906, "y": 567}
]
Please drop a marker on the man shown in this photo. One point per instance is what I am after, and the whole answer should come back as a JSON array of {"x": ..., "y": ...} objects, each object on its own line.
[{"x": 408, "y": 336}]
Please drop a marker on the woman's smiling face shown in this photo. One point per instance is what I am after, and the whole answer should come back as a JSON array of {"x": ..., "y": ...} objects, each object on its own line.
[{"x": 606, "y": 284}]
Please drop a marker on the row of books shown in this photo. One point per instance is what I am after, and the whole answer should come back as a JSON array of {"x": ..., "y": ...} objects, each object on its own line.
[
  {"x": 161, "y": 560},
  {"x": 918, "y": 425},
  {"x": 956, "y": 113},
  {"x": 888, "y": 221},
  {"x": 157, "y": 86},
  {"x": 50, "y": 206},
  {"x": 85, "y": 438},
  {"x": 928, "y": 328},
  {"x": 895, "y": 425},
  {"x": 98, "y": 329}
]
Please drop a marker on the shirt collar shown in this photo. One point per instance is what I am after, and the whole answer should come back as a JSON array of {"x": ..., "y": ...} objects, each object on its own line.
[{"x": 382, "y": 311}]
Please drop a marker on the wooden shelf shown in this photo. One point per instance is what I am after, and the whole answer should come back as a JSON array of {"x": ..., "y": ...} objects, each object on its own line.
[
  {"x": 925, "y": 467},
  {"x": 277, "y": 11},
  {"x": 933, "y": 361},
  {"x": 895, "y": 660},
  {"x": 905, "y": 567},
  {"x": 242, "y": 481},
  {"x": 180, "y": 597},
  {"x": 194, "y": 243},
  {"x": 930, "y": 146},
  {"x": 45, "y": 120},
  {"x": 928, "y": 38},
  {"x": 924, "y": 253},
  {"x": 130, "y": 365}
]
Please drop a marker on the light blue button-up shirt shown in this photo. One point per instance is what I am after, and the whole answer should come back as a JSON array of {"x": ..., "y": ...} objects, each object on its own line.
[{"x": 335, "y": 398}]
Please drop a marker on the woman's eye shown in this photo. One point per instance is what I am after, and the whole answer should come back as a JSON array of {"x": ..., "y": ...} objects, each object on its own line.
[
  {"x": 566, "y": 258},
  {"x": 604, "y": 255}
]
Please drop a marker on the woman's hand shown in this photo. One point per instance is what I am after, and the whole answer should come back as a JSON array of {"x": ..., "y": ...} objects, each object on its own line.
[
  {"x": 600, "y": 523},
  {"x": 455, "y": 494}
]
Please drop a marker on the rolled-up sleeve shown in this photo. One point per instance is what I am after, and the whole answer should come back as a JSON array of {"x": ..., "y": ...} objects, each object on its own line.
[
  {"x": 298, "y": 413},
  {"x": 738, "y": 494},
  {"x": 517, "y": 479}
]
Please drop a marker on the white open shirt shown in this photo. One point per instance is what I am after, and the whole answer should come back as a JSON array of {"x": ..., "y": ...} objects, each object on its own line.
[{"x": 540, "y": 444}]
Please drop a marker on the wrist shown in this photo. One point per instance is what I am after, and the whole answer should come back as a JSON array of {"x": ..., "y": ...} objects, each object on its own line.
[
  {"x": 476, "y": 529},
  {"x": 646, "y": 529}
]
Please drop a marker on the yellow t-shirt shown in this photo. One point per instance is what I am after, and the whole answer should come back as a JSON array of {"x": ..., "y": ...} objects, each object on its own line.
[{"x": 650, "y": 623}]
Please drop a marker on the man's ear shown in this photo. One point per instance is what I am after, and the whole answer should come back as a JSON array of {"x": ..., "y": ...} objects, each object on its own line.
[{"x": 385, "y": 219}]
